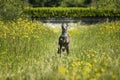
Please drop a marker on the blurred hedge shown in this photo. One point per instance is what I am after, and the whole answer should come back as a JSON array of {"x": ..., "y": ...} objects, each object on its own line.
[{"x": 70, "y": 12}]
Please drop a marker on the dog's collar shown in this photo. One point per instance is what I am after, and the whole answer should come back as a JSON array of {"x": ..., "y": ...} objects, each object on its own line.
[{"x": 64, "y": 34}]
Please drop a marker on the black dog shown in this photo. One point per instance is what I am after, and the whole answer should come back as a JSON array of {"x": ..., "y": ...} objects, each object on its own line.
[{"x": 64, "y": 40}]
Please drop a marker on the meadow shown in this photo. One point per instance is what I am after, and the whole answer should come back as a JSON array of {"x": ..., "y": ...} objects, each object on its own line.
[{"x": 28, "y": 51}]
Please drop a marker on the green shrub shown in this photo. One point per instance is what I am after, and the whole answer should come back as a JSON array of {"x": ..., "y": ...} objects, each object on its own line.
[{"x": 70, "y": 12}]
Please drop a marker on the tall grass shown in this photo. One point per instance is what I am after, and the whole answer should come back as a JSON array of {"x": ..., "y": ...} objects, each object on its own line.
[{"x": 28, "y": 51}]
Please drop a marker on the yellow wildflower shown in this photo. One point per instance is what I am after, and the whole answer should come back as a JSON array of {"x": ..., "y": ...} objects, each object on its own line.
[
  {"x": 95, "y": 69},
  {"x": 88, "y": 64},
  {"x": 113, "y": 76},
  {"x": 102, "y": 70},
  {"x": 79, "y": 63},
  {"x": 98, "y": 75},
  {"x": 94, "y": 60},
  {"x": 93, "y": 79},
  {"x": 62, "y": 70}
]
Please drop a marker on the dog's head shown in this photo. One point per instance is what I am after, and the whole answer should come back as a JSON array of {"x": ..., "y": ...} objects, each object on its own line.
[{"x": 64, "y": 26}]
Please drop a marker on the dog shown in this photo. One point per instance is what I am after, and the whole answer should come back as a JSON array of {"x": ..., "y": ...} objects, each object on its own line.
[{"x": 64, "y": 40}]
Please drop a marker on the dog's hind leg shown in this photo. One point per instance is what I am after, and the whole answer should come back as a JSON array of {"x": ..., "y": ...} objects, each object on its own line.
[{"x": 67, "y": 49}]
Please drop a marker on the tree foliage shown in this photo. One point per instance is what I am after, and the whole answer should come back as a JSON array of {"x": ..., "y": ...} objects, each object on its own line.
[
  {"x": 43, "y": 3},
  {"x": 12, "y": 9},
  {"x": 104, "y": 4},
  {"x": 59, "y": 3}
]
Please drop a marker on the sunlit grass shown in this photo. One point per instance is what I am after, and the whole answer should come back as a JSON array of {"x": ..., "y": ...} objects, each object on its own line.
[{"x": 28, "y": 51}]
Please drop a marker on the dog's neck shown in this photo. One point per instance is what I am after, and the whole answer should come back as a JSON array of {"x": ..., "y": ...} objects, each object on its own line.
[{"x": 64, "y": 31}]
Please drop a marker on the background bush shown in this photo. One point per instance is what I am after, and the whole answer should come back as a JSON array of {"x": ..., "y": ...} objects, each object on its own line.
[
  {"x": 71, "y": 12},
  {"x": 12, "y": 9}
]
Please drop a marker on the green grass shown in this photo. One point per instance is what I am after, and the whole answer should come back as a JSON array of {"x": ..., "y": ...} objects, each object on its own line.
[{"x": 94, "y": 53}]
